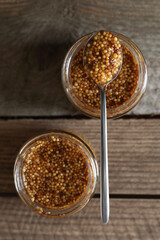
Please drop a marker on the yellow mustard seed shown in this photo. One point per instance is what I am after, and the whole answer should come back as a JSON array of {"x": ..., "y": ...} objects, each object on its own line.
[
  {"x": 49, "y": 181},
  {"x": 125, "y": 84},
  {"x": 103, "y": 50}
]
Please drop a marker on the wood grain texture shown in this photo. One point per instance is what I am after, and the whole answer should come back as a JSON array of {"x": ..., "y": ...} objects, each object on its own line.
[
  {"x": 134, "y": 166},
  {"x": 129, "y": 220},
  {"x": 35, "y": 36}
]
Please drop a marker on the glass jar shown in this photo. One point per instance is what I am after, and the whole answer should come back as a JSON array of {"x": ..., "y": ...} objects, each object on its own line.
[
  {"x": 60, "y": 211},
  {"x": 94, "y": 112}
]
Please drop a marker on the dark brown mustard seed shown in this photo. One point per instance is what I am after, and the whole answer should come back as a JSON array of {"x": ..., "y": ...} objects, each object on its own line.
[
  {"x": 103, "y": 57},
  {"x": 55, "y": 172},
  {"x": 117, "y": 93}
]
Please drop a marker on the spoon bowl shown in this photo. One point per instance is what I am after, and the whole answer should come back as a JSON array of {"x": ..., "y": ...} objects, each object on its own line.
[{"x": 100, "y": 84}]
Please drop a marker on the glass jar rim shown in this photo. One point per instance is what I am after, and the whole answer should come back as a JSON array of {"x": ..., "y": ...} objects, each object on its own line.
[
  {"x": 18, "y": 180},
  {"x": 115, "y": 112}
]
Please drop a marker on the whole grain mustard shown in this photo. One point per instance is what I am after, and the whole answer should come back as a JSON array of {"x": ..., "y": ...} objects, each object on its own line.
[
  {"x": 118, "y": 91},
  {"x": 55, "y": 172},
  {"x": 103, "y": 57}
]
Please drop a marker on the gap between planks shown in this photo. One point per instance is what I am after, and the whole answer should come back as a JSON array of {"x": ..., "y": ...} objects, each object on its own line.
[{"x": 78, "y": 116}]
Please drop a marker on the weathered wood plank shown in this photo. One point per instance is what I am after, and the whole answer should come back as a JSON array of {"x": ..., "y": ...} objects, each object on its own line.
[
  {"x": 35, "y": 36},
  {"x": 129, "y": 220},
  {"x": 134, "y": 166}
]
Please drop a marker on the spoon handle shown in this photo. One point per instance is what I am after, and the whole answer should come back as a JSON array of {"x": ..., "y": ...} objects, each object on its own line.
[{"x": 104, "y": 160}]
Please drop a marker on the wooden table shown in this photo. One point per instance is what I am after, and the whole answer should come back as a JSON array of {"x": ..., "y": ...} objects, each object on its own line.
[{"x": 34, "y": 38}]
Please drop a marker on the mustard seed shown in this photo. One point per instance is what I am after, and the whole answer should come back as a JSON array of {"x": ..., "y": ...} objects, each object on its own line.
[
  {"x": 125, "y": 84},
  {"x": 103, "y": 56},
  {"x": 60, "y": 177}
]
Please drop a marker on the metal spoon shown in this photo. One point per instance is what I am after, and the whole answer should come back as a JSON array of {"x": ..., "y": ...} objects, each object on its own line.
[{"x": 104, "y": 189}]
